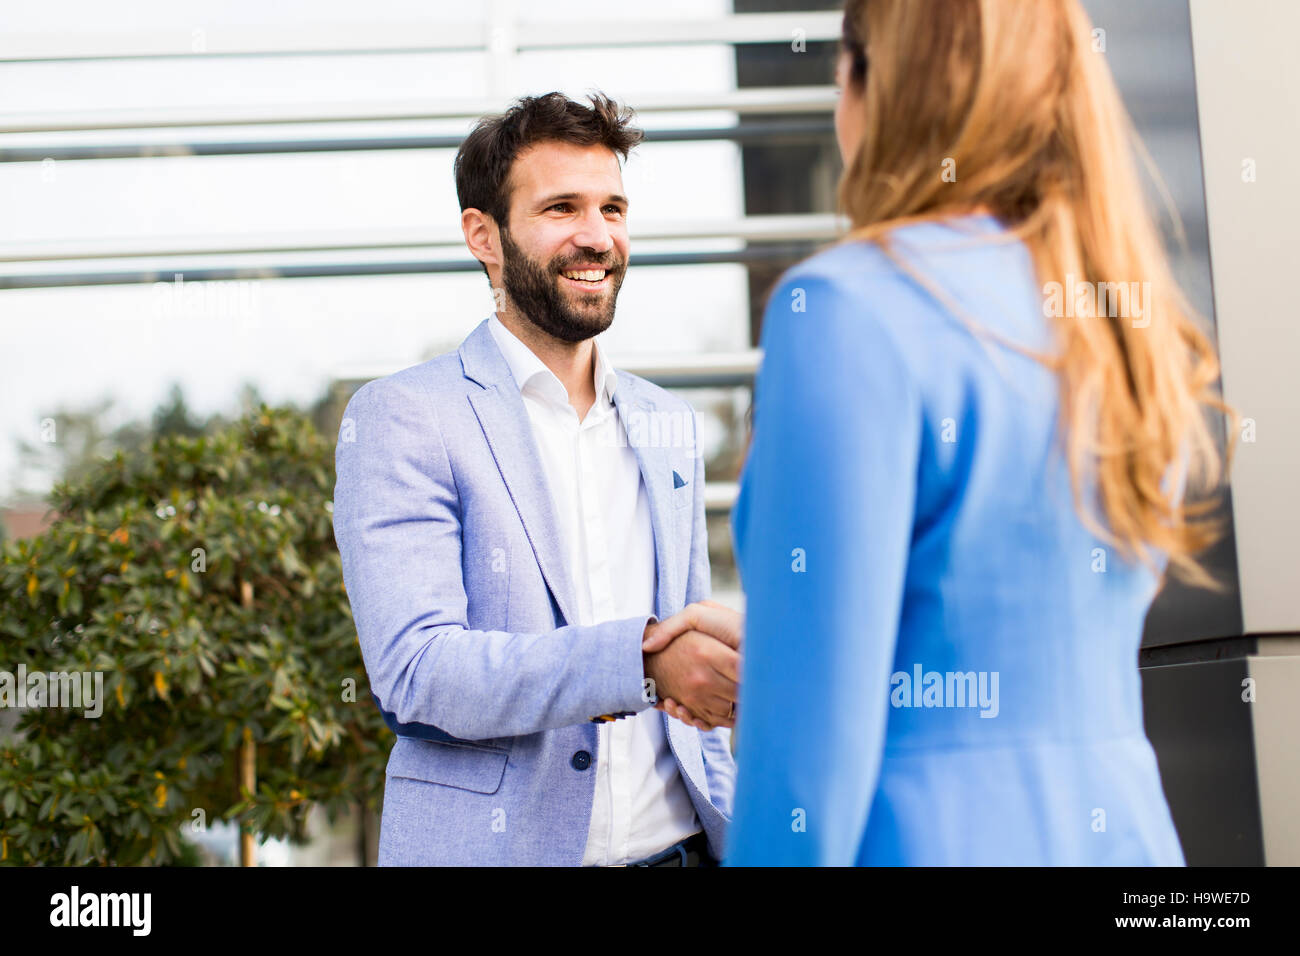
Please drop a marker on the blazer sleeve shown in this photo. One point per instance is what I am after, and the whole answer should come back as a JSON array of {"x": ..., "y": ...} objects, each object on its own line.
[
  {"x": 397, "y": 524},
  {"x": 823, "y": 549}
]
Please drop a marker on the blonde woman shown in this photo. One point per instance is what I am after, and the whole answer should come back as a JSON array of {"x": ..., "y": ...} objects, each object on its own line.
[{"x": 970, "y": 453}]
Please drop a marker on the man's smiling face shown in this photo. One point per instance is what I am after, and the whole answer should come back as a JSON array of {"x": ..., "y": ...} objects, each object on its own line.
[{"x": 565, "y": 249}]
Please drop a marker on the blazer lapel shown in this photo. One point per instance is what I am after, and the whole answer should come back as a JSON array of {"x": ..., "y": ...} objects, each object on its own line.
[
  {"x": 504, "y": 420},
  {"x": 636, "y": 411}
]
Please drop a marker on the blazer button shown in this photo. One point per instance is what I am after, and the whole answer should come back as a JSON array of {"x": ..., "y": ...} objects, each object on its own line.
[{"x": 581, "y": 760}]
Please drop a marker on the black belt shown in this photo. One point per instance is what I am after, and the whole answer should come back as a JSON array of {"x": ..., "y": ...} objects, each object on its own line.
[{"x": 693, "y": 851}]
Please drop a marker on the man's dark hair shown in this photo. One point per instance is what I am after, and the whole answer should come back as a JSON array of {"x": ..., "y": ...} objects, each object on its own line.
[{"x": 483, "y": 163}]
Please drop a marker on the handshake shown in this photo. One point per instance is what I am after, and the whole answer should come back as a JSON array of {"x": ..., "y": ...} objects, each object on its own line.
[{"x": 692, "y": 663}]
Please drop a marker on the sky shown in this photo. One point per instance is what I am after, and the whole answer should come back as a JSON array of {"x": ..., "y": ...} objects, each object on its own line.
[{"x": 291, "y": 337}]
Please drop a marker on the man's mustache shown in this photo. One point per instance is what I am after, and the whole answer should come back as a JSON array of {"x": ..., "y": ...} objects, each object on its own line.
[{"x": 609, "y": 262}]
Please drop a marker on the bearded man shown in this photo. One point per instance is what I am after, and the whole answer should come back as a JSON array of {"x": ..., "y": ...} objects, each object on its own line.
[{"x": 530, "y": 587}]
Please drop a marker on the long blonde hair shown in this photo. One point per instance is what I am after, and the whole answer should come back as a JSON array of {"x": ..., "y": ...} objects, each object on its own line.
[{"x": 1008, "y": 107}]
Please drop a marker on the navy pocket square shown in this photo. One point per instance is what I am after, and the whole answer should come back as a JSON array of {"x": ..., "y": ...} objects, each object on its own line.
[{"x": 678, "y": 481}]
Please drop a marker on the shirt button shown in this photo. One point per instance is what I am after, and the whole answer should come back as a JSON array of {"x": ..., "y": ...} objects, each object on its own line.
[{"x": 581, "y": 760}]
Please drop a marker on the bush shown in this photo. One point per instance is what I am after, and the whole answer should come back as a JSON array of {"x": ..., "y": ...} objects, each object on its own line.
[{"x": 202, "y": 580}]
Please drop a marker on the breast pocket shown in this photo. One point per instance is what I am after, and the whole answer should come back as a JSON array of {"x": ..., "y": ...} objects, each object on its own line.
[
  {"x": 479, "y": 769},
  {"x": 684, "y": 495}
]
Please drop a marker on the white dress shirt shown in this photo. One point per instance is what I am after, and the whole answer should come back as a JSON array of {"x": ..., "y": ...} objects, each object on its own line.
[{"x": 641, "y": 804}]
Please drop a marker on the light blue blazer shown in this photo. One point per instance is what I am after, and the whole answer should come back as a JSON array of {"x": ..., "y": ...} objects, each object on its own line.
[
  {"x": 461, "y": 597},
  {"x": 906, "y": 537}
]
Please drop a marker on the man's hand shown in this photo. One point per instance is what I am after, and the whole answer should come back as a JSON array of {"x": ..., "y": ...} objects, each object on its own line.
[{"x": 693, "y": 658}]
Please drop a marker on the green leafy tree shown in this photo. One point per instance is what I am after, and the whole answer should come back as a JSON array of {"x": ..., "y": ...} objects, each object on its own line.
[{"x": 202, "y": 581}]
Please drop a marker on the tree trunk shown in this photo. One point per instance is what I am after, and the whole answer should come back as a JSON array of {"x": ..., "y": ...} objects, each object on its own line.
[
  {"x": 247, "y": 762},
  {"x": 248, "y": 784}
]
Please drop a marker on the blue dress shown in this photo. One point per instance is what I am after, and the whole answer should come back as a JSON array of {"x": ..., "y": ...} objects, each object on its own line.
[{"x": 940, "y": 660}]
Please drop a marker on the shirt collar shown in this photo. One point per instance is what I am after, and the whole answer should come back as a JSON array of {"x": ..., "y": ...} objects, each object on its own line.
[{"x": 528, "y": 369}]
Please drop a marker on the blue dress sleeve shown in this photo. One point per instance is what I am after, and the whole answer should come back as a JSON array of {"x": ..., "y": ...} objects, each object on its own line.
[{"x": 822, "y": 533}]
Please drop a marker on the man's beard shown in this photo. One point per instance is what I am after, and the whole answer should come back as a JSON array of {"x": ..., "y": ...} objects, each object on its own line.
[{"x": 534, "y": 289}]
